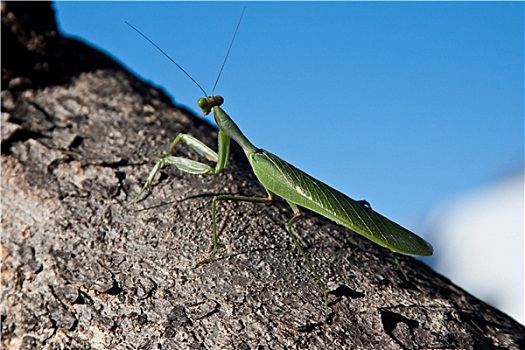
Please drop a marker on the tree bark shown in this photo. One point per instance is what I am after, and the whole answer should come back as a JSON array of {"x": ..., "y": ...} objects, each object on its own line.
[{"x": 80, "y": 269}]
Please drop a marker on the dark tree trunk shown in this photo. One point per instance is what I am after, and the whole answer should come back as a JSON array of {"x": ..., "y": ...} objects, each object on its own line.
[{"x": 82, "y": 270}]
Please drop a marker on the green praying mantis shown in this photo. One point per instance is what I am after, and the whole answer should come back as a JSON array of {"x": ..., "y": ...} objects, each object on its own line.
[{"x": 281, "y": 179}]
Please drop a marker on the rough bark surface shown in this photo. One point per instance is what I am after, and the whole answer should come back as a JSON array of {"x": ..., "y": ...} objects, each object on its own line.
[{"x": 82, "y": 270}]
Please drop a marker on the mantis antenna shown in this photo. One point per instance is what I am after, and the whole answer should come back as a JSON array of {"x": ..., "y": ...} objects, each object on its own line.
[
  {"x": 180, "y": 67},
  {"x": 228, "y": 52},
  {"x": 168, "y": 56}
]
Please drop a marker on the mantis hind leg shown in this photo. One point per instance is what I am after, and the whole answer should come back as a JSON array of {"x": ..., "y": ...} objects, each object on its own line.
[
  {"x": 398, "y": 263},
  {"x": 365, "y": 203},
  {"x": 214, "y": 217},
  {"x": 288, "y": 226}
]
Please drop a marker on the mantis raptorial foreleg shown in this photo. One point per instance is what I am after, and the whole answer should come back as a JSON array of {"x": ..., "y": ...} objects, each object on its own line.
[{"x": 188, "y": 165}]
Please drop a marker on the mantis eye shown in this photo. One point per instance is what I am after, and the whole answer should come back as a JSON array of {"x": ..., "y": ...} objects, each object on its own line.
[{"x": 204, "y": 105}]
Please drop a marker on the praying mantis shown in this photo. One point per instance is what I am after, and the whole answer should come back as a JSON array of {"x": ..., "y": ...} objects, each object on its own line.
[{"x": 281, "y": 179}]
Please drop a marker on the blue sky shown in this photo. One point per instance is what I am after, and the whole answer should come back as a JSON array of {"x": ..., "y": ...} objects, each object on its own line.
[{"x": 407, "y": 105}]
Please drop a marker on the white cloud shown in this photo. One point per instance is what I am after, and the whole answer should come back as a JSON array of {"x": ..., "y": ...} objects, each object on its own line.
[{"x": 480, "y": 244}]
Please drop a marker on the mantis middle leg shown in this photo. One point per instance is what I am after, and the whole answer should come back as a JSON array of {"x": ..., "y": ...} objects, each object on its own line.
[
  {"x": 288, "y": 226},
  {"x": 214, "y": 217}
]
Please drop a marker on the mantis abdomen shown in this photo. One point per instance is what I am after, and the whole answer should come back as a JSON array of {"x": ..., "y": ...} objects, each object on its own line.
[{"x": 294, "y": 185}]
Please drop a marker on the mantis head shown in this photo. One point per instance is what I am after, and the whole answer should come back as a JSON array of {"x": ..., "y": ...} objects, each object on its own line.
[{"x": 207, "y": 103}]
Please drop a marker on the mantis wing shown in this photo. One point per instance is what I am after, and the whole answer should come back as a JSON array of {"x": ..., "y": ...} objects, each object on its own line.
[{"x": 294, "y": 185}]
